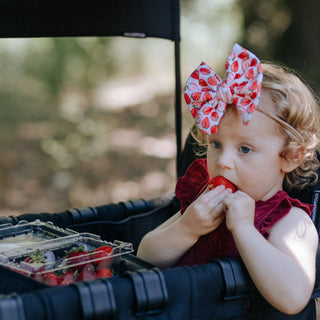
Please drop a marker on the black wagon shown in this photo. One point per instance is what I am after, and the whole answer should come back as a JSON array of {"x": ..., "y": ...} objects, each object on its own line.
[{"x": 221, "y": 289}]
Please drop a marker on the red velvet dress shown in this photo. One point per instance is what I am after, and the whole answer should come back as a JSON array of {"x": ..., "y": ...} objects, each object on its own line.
[{"x": 219, "y": 243}]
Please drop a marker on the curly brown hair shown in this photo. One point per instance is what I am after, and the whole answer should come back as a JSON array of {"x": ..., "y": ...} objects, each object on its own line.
[{"x": 297, "y": 112}]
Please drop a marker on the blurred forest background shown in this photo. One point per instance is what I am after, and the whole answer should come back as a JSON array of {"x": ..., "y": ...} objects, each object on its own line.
[{"x": 90, "y": 121}]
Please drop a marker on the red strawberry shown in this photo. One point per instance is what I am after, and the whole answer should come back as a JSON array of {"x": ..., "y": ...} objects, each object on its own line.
[
  {"x": 251, "y": 108},
  {"x": 253, "y": 95},
  {"x": 103, "y": 273},
  {"x": 87, "y": 273},
  {"x": 253, "y": 62},
  {"x": 187, "y": 98},
  {"x": 214, "y": 129},
  {"x": 212, "y": 81},
  {"x": 205, "y": 123},
  {"x": 214, "y": 116},
  {"x": 195, "y": 74},
  {"x": 236, "y": 101},
  {"x": 202, "y": 83},
  {"x": 77, "y": 255},
  {"x": 249, "y": 73},
  {"x": 28, "y": 259},
  {"x": 241, "y": 86},
  {"x": 196, "y": 95},
  {"x": 219, "y": 180},
  {"x": 107, "y": 249},
  {"x": 67, "y": 277},
  {"x": 207, "y": 96},
  {"x": 245, "y": 101},
  {"x": 207, "y": 110},
  {"x": 38, "y": 276},
  {"x": 194, "y": 112},
  {"x": 51, "y": 279},
  {"x": 235, "y": 66},
  {"x": 244, "y": 55},
  {"x": 253, "y": 85},
  {"x": 204, "y": 71},
  {"x": 103, "y": 254}
]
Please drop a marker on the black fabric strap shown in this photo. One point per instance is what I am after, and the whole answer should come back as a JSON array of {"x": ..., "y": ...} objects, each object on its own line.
[
  {"x": 97, "y": 300},
  {"x": 236, "y": 278},
  {"x": 80, "y": 215},
  {"x": 136, "y": 206},
  {"x": 150, "y": 291},
  {"x": 316, "y": 211},
  {"x": 46, "y": 299},
  {"x": 11, "y": 308}
]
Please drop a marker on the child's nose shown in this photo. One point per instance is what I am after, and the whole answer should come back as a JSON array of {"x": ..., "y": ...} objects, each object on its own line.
[{"x": 225, "y": 160}]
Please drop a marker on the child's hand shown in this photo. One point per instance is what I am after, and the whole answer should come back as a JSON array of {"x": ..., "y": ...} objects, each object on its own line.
[
  {"x": 239, "y": 209},
  {"x": 206, "y": 213}
]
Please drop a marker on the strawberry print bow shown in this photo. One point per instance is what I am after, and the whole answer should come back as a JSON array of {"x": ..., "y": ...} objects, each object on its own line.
[{"x": 208, "y": 96}]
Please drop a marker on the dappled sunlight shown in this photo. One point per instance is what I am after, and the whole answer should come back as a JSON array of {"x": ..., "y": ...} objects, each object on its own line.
[
  {"x": 33, "y": 131},
  {"x": 152, "y": 184},
  {"x": 132, "y": 140},
  {"x": 155, "y": 181},
  {"x": 295, "y": 235},
  {"x": 161, "y": 148},
  {"x": 73, "y": 105},
  {"x": 125, "y": 190},
  {"x": 59, "y": 152},
  {"x": 118, "y": 95},
  {"x": 125, "y": 138}
]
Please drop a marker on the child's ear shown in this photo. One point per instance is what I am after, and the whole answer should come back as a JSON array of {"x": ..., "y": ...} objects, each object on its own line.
[{"x": 292, "y": 160}]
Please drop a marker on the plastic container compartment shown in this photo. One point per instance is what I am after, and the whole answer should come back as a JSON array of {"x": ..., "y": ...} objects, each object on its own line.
[
  {"x": 68, "y": 259},
  {"x": 26, "y": 233}
]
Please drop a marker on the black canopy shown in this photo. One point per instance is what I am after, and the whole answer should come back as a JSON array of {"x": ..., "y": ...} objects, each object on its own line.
[{"x": 38, "y": 18}]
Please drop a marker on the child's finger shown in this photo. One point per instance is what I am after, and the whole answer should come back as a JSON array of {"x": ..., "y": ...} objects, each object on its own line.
[
  {"x": 209, "y": 195},
  {"x": 218, "y": 215}
]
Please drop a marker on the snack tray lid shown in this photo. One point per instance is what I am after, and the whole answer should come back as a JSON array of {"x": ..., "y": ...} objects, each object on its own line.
[
  {"x": 89, "y": 240},
  {"x": 26, "y": 233}
]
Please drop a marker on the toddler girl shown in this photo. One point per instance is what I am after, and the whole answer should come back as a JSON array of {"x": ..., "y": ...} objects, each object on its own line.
[{"x": 260, "y": 126}]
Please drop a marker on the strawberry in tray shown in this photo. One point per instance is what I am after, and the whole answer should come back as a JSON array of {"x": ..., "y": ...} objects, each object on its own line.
[
  {"x": 77, "y": 256},
  {"x": 51, "y": 279},
  {"x": 219, "y": 180},
  {"x": 60, "y": 267},
  {"x": 103, "y": 272},
  {"x": 103, "y": 256}
]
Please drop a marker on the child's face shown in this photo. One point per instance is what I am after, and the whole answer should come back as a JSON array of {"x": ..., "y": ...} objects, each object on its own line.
[{"x": 248, "y": 156}]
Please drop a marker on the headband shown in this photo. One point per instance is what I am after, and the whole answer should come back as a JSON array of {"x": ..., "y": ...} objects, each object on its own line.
[{"x": 208, "y": 96}]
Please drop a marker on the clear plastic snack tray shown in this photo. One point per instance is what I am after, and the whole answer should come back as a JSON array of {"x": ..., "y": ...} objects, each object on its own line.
[
  {"x": 64, "y": 260},
  {"x": 26, "y": 233}
]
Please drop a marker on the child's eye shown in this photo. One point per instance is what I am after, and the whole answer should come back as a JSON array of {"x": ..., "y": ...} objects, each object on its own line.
[
  {"x": 216, "y": 144},
  {"x": 245, "y": 149}
]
